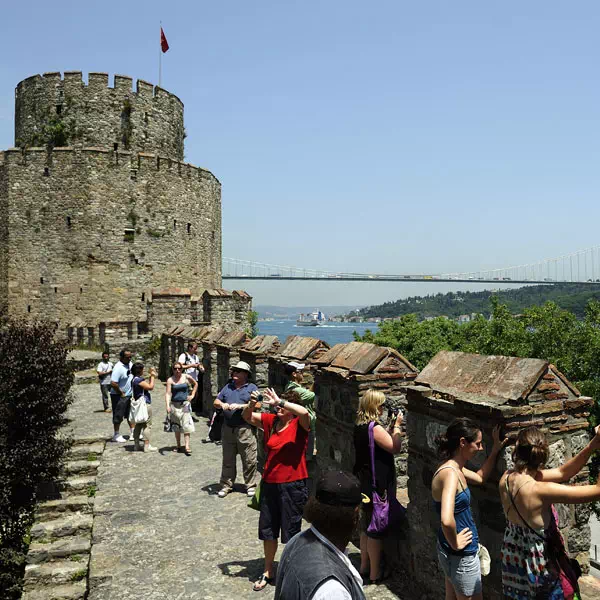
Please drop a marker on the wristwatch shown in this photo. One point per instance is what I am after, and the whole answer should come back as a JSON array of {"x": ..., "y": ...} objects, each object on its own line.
[{"x": 281, "y": 402}]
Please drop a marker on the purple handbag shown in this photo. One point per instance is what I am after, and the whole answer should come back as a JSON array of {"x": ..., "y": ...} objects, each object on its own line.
[{"x": 386, "y": 511}]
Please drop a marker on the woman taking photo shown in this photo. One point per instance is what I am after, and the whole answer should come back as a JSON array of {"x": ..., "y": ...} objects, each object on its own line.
[
  {"x": 178, "y": 400},
  {"x": 284, "y": 491},
  {"x": 387, "y": 443},
  {"x": 534, "y": 561},
  {"x": 458, "y": 541},
  {"x": 142, "y": 388}
]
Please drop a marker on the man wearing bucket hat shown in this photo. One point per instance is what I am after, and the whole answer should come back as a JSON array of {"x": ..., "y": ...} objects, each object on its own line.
[
  {"x": 238, "y": 437},
  {"x": 313, "y": 564}
]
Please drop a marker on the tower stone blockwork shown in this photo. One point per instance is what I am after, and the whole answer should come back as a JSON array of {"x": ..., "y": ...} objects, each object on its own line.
[{"x": 97, "y": 209}]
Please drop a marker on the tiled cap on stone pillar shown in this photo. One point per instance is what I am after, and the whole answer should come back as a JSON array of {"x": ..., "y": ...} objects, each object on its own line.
[
  {"x": 344, "y": 373},
  {"x": 514, "y": 393},
  {"x": 256, "y": 353},
  {"x": 295, "y": 348}
]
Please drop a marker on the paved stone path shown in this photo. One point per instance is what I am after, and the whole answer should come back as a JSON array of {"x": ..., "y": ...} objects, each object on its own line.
[{"x": 160, "y": 531}]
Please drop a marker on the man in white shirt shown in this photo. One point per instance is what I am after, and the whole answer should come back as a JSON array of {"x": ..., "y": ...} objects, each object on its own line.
[
  {"x": 104, "y": 370},
  {"x": 314, "y": 563},
  {"x": 192, "y": 367}
]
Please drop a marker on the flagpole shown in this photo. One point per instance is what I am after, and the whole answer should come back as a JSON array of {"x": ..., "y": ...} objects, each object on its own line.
[{"x": 160, "y": 58}]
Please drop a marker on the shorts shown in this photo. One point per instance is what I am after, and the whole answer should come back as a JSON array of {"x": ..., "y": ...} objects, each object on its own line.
[
  {"x": 463, "y": 570},
  {"x": 120, "y": 408},
  {"x": 281, "y": 508}
]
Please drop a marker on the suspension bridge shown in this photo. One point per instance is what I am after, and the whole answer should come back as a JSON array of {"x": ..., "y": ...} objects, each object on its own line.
[{"x": 582, "y": 266}]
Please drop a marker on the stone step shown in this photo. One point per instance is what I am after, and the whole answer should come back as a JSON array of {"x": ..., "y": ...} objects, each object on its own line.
[
  {"x": 56, "y": 573},
  {"x": 75, "y": 486},
  {"x": 86, "y": 451},
  {"x": 82, "y": 467},
  {"x": 85, "y": 377},
  {"x": 70, "y": 525},
  {"x": 55, "y": 509},
  {"x": 67, "y": 547},
  {"x": 70, "y": 591}
]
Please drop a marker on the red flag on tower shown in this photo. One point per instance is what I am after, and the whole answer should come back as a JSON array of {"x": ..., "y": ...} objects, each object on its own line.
[{"x": 164, "y": 45}]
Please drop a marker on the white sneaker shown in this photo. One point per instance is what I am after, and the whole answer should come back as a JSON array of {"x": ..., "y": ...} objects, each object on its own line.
[
  {"x": 142, "y": 437},
  {"x": 150, "y": 448},
  {"x": 223, "y": 492},
  {"x": 118, "y": 438},
  {"x": 251, "y": 491}
]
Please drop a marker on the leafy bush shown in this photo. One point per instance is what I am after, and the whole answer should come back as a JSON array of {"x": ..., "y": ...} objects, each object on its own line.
[{"x": 34, "y": 396}]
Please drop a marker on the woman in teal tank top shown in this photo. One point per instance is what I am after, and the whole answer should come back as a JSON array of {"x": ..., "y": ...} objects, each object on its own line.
[{"x": 458, "y": 540}]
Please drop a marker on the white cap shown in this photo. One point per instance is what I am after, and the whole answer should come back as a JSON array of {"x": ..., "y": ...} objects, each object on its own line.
[
  {"x": 242, "y": 366},
  {"x": 298, "y": 366}
]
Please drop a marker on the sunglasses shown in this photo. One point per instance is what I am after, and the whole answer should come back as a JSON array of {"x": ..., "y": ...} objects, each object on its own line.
[{"x": 177, "y": 369}]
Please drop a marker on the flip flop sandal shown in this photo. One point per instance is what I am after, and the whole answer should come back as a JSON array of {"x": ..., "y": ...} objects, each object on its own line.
[
  {"x": 187, "y": 452},
  {"x": 262, "y": 583}
]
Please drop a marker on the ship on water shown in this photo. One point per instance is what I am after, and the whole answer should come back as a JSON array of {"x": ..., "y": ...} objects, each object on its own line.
[{"x": 311, "y": 319}]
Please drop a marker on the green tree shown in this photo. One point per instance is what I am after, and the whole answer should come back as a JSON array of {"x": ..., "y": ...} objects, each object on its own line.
[{"x": 252, "y": 328}]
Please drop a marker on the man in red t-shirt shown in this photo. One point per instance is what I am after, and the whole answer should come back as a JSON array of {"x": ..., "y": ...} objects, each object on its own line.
[{"x": 283, "y": 488}]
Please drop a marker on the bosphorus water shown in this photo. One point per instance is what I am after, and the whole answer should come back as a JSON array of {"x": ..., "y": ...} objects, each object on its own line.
[{"x": 332, "y": 333}]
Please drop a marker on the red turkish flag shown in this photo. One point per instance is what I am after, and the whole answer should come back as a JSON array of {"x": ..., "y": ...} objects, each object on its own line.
[{"x": 164, "y": 45}]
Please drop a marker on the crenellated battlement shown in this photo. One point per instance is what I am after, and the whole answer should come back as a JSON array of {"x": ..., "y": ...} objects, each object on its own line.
[
  {"x": 68, "y": 157},
  {"x": 55, "y": 109},
  {"x": 96, "y": 82}
]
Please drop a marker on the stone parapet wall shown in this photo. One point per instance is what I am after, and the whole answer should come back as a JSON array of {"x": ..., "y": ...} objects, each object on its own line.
[
  {"x": 513, "y": 393},
  {"x": 149, "y": 119}
]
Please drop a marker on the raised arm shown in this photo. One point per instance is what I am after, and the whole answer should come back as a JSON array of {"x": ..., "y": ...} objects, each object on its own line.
[
  {"x": 573, "y": 465},
  {"x": 296, "y": 409},
  {"x": 148, "y": 385},
  {"x": 567, "y": 494},
  {"x": 390, "y": 440},
  {"x": 248, "y": 414},
  {"x": 480, "y": 476}
]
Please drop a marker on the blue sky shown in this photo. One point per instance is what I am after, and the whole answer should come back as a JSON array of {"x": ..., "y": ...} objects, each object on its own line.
[{"x": 390, "y": 136}]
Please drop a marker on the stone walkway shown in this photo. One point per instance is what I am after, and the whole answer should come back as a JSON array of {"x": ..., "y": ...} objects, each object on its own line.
[{"x": 160, "y": 531}]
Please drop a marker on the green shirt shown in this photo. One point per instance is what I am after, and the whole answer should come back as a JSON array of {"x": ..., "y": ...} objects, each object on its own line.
[{"x": 307, "y": 399}]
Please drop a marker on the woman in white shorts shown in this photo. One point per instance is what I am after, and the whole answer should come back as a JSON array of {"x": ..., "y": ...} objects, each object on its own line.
[{"x": 178, "y": 399}]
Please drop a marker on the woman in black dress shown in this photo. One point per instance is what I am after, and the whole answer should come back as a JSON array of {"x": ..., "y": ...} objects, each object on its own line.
[{"x": 387, "y": 443}]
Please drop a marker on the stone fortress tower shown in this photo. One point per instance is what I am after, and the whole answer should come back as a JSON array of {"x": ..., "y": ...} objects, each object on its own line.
[{"x": 100, "y": 218}]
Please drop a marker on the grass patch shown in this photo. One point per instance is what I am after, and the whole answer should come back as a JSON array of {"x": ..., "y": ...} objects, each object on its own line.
[
  {"x": 91, "y": 457},
  {"x": 79, "y": 575},
  {"x": 76, "y": 558},
  {"x": 91, "y": 491}
]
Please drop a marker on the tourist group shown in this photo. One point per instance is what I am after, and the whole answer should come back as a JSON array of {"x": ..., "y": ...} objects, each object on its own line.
[{"x": 314, "y": 564}]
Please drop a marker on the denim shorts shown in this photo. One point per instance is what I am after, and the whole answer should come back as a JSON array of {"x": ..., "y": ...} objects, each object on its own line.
[{"x": 464, "y": 571}]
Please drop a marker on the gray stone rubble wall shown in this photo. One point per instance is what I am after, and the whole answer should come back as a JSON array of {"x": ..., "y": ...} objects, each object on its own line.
[
  {"x": 3, "y": 236},
  {"x": 89, "y": 269},
  {"x": 148, "y": 119}
]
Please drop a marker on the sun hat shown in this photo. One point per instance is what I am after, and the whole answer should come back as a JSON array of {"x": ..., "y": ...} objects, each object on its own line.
[
  {"x": 242, "y": 366},
  {"x": 296, "y": 365}
]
